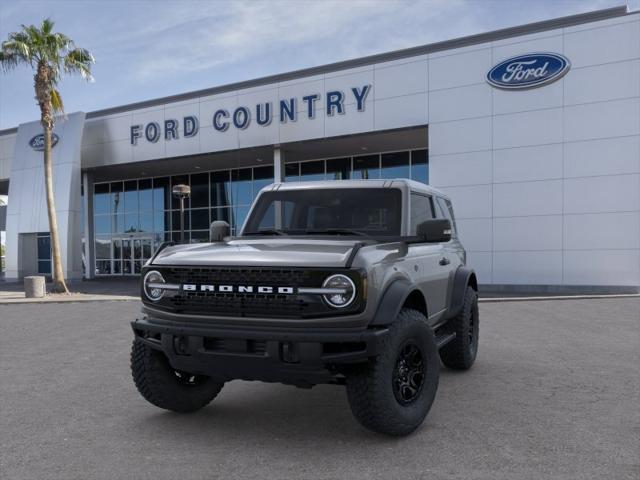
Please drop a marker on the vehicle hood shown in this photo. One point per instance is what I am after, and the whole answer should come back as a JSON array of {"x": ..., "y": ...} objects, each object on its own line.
[{"x": 261, "y": 252}]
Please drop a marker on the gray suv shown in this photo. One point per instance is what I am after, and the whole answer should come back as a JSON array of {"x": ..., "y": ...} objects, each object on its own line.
[{"x": 355, "y": 283}]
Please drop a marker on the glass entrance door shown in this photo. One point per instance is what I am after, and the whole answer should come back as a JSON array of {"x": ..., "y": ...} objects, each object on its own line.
[{"x": 130, "y": 253}]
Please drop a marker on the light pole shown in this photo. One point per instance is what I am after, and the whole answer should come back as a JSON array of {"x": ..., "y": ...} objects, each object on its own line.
[{"x": 182, "y": 192}]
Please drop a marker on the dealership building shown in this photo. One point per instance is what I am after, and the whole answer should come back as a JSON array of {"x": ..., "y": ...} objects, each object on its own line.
[{"x": 533, "y": 131}]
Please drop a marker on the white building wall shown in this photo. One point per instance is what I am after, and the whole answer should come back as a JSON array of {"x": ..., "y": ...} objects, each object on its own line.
[
  {"x": 545, "y": 182},
  {"x": 7, "y": 146}
]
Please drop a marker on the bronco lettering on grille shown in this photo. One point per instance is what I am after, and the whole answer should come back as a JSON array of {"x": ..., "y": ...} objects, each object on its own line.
[{"x": 192, "y": 287}]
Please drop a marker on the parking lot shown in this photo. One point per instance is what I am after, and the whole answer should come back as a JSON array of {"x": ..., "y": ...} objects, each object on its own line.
[{"x": 554, "y": 394}]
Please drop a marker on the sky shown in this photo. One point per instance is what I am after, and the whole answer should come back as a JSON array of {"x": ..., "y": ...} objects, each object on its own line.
[{"x": 153, "y": 48}]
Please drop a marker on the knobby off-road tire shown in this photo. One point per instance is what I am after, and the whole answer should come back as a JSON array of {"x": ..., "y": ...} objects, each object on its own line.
[
  {"x": 167, "y": 388},
  {"x": 373, "y": 392},
  {"x": 461, "y": 352}
]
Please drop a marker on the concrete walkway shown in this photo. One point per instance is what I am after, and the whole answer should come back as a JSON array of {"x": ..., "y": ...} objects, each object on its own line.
[{"x": 104, "y": 289}]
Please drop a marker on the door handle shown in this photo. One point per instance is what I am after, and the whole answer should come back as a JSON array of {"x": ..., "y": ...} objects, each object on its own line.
[{"x": 444, "y": 261}]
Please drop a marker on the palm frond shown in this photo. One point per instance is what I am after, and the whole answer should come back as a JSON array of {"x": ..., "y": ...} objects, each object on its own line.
[
  {"x": 56, "y": 101},
  {"x": 8, "y": 60},
  {"x": 79, "y": 60}
]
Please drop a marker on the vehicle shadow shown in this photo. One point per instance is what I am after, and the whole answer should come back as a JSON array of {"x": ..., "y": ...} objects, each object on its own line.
[{"x": 258, "y": 413}]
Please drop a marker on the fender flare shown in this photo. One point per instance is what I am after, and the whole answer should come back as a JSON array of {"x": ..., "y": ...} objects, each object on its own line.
[
  {"x": 391, "y": 302},
  {"x": 463, "y": 277}
]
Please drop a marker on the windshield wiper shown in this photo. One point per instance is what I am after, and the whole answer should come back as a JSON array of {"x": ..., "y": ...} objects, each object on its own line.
[
  {"x": 266, "y": 231},
  {"x": 337, "y": 231}
]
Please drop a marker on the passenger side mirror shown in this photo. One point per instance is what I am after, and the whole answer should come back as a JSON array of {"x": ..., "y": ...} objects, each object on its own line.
[
  {"x": 435, "y": 230},
  {"x": 218, "y": 230}
]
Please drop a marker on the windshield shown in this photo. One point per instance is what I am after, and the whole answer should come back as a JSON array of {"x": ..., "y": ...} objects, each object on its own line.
[{"x": 332, "y": 211}]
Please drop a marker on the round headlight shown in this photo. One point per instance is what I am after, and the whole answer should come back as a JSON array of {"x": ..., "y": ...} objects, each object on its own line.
[
  {"x": 149, "y": 285},
  {"x": 345, "y": 291}
]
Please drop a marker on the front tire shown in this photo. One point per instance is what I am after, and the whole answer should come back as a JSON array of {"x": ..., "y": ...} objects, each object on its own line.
[
  {"x": 394, "y": 393},
  {"x": 461, "y": 352},
  {"x": 165, "y": 387}
]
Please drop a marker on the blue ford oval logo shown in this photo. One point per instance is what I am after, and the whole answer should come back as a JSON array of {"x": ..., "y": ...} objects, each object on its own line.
[
  {"x": 37, "y": 142},
  {"x": 528, "y": 71}
]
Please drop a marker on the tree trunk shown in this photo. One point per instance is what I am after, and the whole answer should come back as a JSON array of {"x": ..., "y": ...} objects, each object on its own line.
[
  {"x": 43, "y": 95},
  {"x": 59, "y": 284}
]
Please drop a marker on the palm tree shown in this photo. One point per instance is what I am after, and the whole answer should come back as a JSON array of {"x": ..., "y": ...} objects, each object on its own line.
[{"x": 50, "y": 55}]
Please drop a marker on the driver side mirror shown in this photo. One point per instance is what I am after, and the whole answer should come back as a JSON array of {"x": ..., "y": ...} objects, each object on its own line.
[
  {"x": 435, "y": 230},
  {"x": 218, "y": 230}
]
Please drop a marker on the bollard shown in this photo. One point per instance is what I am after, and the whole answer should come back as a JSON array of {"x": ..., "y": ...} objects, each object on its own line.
[{"x": 34, "y": 287}]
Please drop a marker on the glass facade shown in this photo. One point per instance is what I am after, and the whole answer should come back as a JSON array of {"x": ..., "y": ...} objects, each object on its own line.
[
  {"x": 412, "y": 164},
  {"x": 131, "y": 218}
]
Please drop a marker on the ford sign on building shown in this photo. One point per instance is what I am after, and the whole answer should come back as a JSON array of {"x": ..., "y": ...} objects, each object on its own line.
[{"x": 533, "y": 131}]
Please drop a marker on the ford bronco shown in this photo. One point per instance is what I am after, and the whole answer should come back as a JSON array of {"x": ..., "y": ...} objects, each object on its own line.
[{"x": 361, "y": 283}]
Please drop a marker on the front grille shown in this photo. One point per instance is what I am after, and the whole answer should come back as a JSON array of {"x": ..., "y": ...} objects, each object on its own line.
[{"x": 247, "y": 304}]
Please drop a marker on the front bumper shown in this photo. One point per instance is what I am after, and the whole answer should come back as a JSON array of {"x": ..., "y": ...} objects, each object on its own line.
[{"x": 303, "y": 358}]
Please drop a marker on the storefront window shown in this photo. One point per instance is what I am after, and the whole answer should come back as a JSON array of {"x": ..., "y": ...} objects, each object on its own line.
[
  {"x": 292, "y": 172},
  {"x": 241, "y": 186},
  {"x": 262, "y": 176},
  {"x": 366, "y": 167},
  {"x": 339, "y": 169},
  {"x": 200, "y": 190},
  {"x": 420, "y": 166},
  {"x": 101, "y": 198},
  {"x": 220, "y": 188},
  {"x": 395, "y": 165},
  {"x": 310, "y": 171}
]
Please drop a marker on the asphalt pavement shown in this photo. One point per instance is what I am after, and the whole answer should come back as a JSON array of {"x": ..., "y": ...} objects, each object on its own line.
[{"x": 555, "y": 394}]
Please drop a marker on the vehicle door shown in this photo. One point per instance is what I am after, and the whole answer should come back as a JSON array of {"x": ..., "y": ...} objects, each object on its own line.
[
  {"x": 431, "y": 272},
  {"x": 453, "y": 253}
]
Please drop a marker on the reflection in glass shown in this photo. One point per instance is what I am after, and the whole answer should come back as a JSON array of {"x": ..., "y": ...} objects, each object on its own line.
[
  {"x": 103, "y": 267},
  {"x": 200, "y": 236},
  {"x": 131, "y": 203},
  {"x": 44, "y": 266},
  {"x": 310, "y": 171},
  {"x": 161, "y": 221},
  {"x": 292, "y": 172},
  {"x": 103, "y": 247},
  {"x": 175, "y": 219},
  {"x": 366, "y": 167},
  {"x": 44, "y": 247},
  {"x": 220, "y": 188},
  {"x": 200, "y": 190},
  {"x": 220, "y": 214},
  {"x": 131, "y": 222},
  {"x": 116, "y": 198},
  {"x": 262, "y": 176},
  {"x": 146, "y": 221},
  {"x": 200, "y": 219},
  {"x": 395, "y": 165},
  {"x": 101, "y": 198},
  {"x": 339, "y": 169},
  {"x": 420, "y": 166},
  {"x": 145, "y": 195},
  {"x": 161, "y": 194},
  {"x": 241, "y": 188}
]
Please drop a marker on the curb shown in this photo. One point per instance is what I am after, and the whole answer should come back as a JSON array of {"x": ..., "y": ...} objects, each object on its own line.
[
  {"x": 556, "y": 297},
  {"x": 91, "y": 298}
]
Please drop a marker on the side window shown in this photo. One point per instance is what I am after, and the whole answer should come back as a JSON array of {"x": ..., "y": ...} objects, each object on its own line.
[
  {"x": 421, "y": 210},
  {"x": 446, "y": 211}
]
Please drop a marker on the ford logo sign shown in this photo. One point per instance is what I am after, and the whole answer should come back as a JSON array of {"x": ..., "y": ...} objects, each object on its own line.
[
  {"x": 37, "y": 142},
  {"x": 528, "y": 71}
]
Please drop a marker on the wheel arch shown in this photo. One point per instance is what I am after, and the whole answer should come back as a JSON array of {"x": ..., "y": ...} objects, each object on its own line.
[
  {"x": 400, "y": 293},
  {"x": 463, "y": 278}
]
